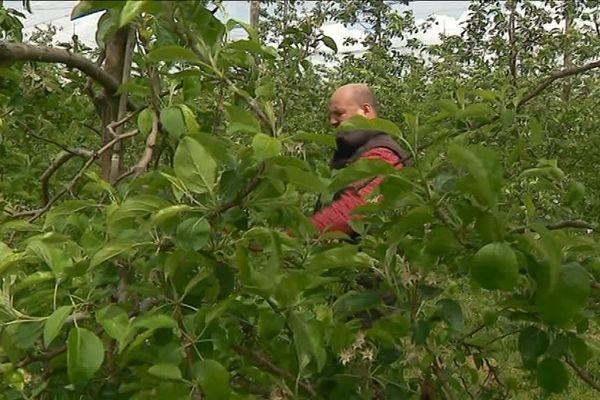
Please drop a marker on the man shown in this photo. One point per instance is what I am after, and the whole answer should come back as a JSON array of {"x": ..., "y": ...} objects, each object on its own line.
[{"x": 347, "y": 102}]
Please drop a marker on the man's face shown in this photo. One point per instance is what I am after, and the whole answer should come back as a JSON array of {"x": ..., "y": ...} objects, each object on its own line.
[{"x": 343, "y": 106}]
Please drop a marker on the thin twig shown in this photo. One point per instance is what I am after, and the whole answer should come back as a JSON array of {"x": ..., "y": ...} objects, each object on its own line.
[
  {"x": 437, "y": 368},
  {"x": 81, "y": 172},
  {"x": 56, "y": 164},
  {"x": 261, "y": 360},
  {"x": 247, "y": 190}
]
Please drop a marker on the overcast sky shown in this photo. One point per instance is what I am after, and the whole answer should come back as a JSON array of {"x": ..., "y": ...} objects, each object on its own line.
[{"x": 449, "y": 13}]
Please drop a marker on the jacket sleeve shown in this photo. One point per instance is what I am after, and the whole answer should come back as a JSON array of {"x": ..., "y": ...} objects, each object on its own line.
[{"x": 337, "y": 216}]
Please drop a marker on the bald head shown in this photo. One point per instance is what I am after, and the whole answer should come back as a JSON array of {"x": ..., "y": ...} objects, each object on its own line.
[{"x": 350, "y": 100}]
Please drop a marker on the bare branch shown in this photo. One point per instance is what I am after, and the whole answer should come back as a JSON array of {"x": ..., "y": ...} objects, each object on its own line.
[
  {"x": 584, "y": 375},
  {"x": 56, "y": 164},
  {"x": 555, "y": 76},
  {"x": 81, "y": 172}
]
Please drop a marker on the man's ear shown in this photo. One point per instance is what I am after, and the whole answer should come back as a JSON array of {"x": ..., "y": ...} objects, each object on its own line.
[{"x": 368, "y": 110}]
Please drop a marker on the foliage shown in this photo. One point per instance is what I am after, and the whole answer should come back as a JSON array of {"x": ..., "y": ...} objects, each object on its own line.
[{"x": 476, "y": 276}]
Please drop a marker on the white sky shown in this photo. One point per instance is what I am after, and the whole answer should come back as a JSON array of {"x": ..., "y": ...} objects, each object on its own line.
[{"x": 449, "y": 13}]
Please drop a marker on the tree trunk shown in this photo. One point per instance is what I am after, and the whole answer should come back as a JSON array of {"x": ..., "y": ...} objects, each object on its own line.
[
  {"x": 567, "y": 56},
  {"x": 512, "y": 41},
  {"x": 111, "y": 161},
  {"x": 254, "y": 13}
]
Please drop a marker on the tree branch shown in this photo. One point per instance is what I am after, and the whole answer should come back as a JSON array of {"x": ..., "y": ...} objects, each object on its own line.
[
  {"x": 12, "y": 52},
  {"x": 81, "y": 172},
  {"x": 583, "y": 374},
  {"x": 264, "y": 362},
  {"x": 142, "y": 164},
  {"x": 56, "y": 164},
  {"x": 555, "y": 76},
  {"x": 577, "y": 224}
]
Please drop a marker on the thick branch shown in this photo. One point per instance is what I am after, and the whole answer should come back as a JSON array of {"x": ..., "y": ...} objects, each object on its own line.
[
  {"x": 264, "y": 362},
  {"x": 577, "y": 224},
  {"x": 584, "y": 375},
  {"x": 11, "y": 52},
  {"x": 555, "y": 76}
]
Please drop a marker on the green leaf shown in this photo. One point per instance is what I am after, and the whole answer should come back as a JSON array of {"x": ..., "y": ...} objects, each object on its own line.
[
  {"x": 536, "y": 136},
  {"x": 214, "y": 380},
  {"x": 452, "y": 314},
  {"x": 318, "y": 138},
  {"x": 173, "y": 120},
  {"x": 109, "y": 251},
  {"x": 532, "y": 343},
  {"x": 329, "y": 42},
  {"x": 308, "y": 339},
  {"x": 217, "y": 310},
  {"x": 359, "y": 122},
  {"x": 165, "y": 371},
  {"x": 305, "y": 180},
  {"x": 5, "y": 251},
  {"x": 476, "y": 110},
  {"x": 360, "y": 170},
  {"x": 115, "y": 322},
  {"x": 194, "y": 166},
  {"x": 55, "y": 323},
  {"x": 154, "y": 321},
  {"x": 52, "y": 254},
  {"x": 269, "y": 324},
  {"x": 352, "y": 302},
  {"x": 169, "y": 212},
  {"x": 133, "y": 207},
  {"x": 132, "y": 9},
  {"x": 193, "y": 234},
  {"x": 552, "y": 375},
  {"x": 344, "y": 256},
  {"x": 483, "y": 167},
  {"x": 582, "y": 353},
  {"x": 172, "y": 53},
  {"x": 19, "y": 225},
  {"x": 576, "y": 193},
  {"x": 88, "y": 7},
  {"x": 145, "y": 120},
  {"x": 85, "y": 355},
  {"x": 242, "y": 120},
  {"x": 265, "y": 146},
  {"x": 569, "y": 296},
  {"x": 412, "y": 221},
  {"x": 190, "y": 119},
  {"x": 67, "y": 208}
]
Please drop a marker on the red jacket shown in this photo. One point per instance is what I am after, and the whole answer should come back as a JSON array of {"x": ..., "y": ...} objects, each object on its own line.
[{"x": 337, "y": 215}]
